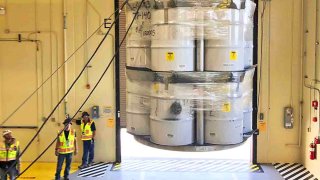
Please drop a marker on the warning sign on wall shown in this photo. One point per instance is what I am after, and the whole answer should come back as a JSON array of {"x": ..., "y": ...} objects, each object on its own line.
[
  {"x": 110, "y": 122},
  {"x": 262, "y": 126}
]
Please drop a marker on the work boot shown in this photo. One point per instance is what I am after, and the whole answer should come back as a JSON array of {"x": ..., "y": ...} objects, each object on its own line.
[
  {"x": 90, "y": 164},
  {"x": 83, "y": 166}
]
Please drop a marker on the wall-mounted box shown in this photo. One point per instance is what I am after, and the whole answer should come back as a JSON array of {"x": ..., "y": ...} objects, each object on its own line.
[{"x": 2, "y": 11}]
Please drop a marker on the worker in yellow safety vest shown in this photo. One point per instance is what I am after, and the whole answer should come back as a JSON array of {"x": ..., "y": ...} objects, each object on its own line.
[
  {"x": 66, "y": 146},
  {"x": 88, "y": 132},
  {"x": 9, "y": 156}
]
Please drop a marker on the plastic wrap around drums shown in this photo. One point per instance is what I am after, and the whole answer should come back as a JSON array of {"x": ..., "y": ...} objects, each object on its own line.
[
  {"x": 247, "y": 120},
  {"x": 177, "y": 91},
  {"x": 138, "y": 87},
  {"x": 137, "y": 103},
  {"x": 138, "y": 57},
  {"x": 247, "y": 111},
  {"x": 163, "y": 103},
  {"x": 172, "y": 133}
]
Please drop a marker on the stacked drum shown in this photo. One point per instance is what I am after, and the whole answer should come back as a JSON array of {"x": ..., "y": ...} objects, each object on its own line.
[
  {"x": 171, "y": 117},
  {"x": 138, "y": 107},
  {"x": 138, "y": 40},
  {"x": 198, "y": 59}
]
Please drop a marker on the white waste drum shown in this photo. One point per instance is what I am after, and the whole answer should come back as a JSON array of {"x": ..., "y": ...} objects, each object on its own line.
[
  {"x": 224, "y": 124},
  {"x": 168, "y": 109},
  {"x": 138, "y": 42},
  {"x": 137, "y": 114},
  {"x": 138, "y": 123},
  {"x": 223, "y": 131},
  {"x": 173, "y": 48},
  {"x": 224, "y": 47},
  {"x": 172, "y": 133}
]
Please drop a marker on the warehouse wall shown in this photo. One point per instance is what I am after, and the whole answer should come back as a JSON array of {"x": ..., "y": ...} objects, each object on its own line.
[
  {"x": 311, "y": 69},
  {"x": 25, "y": 65},
  {"x": 279, "y": 56}
]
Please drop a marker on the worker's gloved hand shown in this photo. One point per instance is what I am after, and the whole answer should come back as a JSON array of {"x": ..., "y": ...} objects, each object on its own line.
[{"x": 56, "y": 152}]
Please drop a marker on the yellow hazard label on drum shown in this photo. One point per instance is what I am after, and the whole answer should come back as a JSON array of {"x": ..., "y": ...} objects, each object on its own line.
[
  {"x": 226, "y": 107},
  {"x": 233, "y": 55},
  {"x": 170, "y": 56},
  {"x": 155, "y": 87}
]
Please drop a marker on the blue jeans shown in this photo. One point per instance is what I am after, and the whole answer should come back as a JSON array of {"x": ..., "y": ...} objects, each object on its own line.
[
  {"x": 88, "y": 150},
  {"x": 12, "y": 173},
  {"x": 61, "y": 158}
]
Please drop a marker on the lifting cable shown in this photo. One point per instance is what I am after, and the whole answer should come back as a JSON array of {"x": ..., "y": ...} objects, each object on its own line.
[
  {"x": 70, "y": 88},
  {"x": 96, "y": 85},
  {"x": 62, "y": 65}
]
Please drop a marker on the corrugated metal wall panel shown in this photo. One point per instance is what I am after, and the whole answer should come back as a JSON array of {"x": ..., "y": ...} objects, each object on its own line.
[{"x": 122, "y": 29}]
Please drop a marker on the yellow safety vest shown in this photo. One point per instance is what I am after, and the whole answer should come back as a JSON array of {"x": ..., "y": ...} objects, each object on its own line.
[
  {"x": 9, "y": 153},
  {"x": 86, "y": 132},
  {"x": 66, "y": 146}
]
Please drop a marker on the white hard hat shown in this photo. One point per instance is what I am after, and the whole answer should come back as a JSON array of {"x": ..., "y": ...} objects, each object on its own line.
[{"x": 6, "y": 132}]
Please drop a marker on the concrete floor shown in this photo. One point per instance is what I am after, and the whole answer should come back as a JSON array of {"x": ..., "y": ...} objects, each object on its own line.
[
  {"x": 268, "y": 174},
  {"x": 140, "y": 162}
]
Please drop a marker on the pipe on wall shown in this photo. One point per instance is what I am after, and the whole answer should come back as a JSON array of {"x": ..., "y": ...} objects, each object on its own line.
[{"x": 65, "y": 54}]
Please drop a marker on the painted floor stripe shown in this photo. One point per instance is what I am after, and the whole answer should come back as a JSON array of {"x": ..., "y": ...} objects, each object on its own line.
[
  {"x": 94, "y": 173},
  {"x": 93, "y": 170},
  {"x": 96, "y": 170},
  {"x": 291, "y": 169},
  {"x": 283, "y": 167},
  {"x": 294, "y": 171},
  {"x": 287, "y": 168},
  {"x": 309, "y": 177},
  {"x": 187, "y": 166},
  {"x": 296, "y": 174}
]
